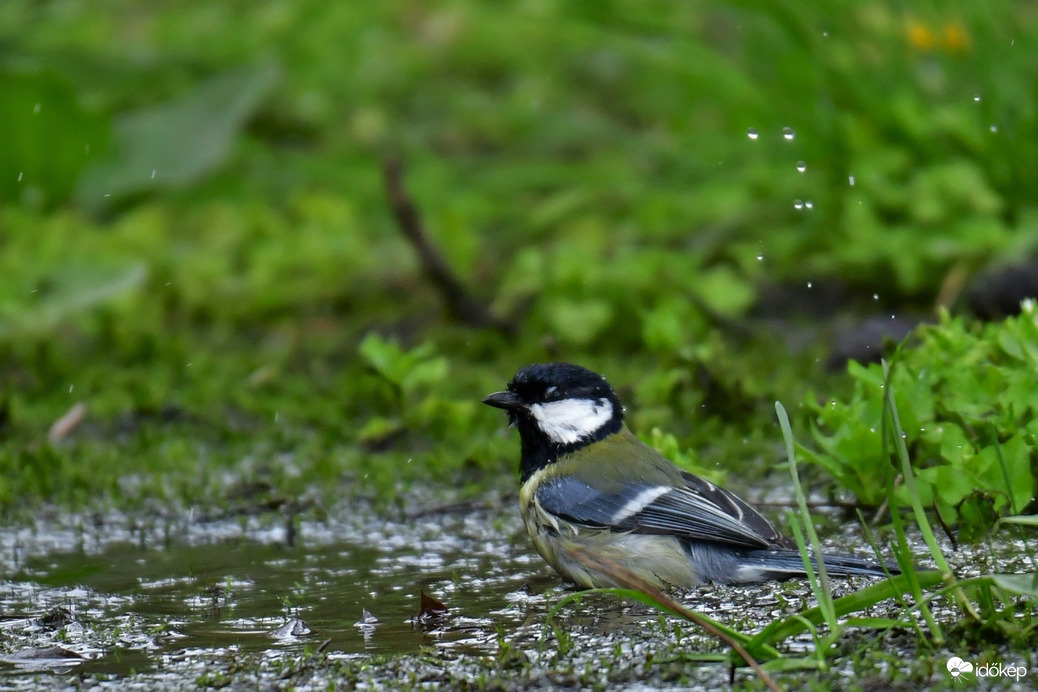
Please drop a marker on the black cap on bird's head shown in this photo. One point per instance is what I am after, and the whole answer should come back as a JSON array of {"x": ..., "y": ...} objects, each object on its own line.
[{"x": 558, "y": 407}]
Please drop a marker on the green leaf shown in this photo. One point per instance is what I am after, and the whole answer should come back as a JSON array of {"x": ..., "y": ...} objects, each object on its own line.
[
  {"x": 65, "y": 292},
  {"x": 176, "y": 143},
  {"x": 1021, "y": 519},
  {"x": 725, "y": 292},
  {"x": 958, "y": 388},
  {"x": 48, "y": 137},
  {"x": 579, "y": 321},
  {"x": 1022, "y": 584},
  {"x": 383, "y": 356}
]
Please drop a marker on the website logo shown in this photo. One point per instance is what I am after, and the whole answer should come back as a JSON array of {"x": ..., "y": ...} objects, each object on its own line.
[{"x": 958, "y": 668}]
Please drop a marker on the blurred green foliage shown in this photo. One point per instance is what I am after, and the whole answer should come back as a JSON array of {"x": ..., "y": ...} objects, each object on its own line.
[
  {"x": 967, "y": 398},
  {"x": 195, "y": 240}
]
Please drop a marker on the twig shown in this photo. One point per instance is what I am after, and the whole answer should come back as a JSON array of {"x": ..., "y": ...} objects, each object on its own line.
[
  {"x": 884, "y": 506},
  {"x": 459, "y": 303},
  {"x": 945, "y": 527},
  {"x": 64, "y": 425}
]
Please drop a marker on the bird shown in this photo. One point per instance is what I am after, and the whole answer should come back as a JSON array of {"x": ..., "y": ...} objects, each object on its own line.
[{"x": 590, "y": 487}]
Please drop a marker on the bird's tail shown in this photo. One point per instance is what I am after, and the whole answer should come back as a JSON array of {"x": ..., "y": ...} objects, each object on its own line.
[{"x": 759, "y": 565}]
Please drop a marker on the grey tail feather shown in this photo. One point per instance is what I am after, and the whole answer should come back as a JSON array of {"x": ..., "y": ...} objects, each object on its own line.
[{"x": 758, "y": 565}]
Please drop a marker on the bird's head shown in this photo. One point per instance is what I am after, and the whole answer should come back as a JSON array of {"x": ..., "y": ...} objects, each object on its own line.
[{"x": 559, "y": 407}]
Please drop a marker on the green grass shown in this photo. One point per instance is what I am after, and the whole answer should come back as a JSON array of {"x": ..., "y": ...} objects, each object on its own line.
[{"x": 587, "y": 171}]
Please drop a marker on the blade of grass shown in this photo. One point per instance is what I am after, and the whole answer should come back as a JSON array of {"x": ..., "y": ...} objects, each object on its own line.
[
  {"x": 645, "y": 592},
  {"x": 822, "y": 595},
  {"x": 791, "y": 665},
  {"x": 820, "y": 586},
  {"x": 1020, "y": 520},
  {"x": 902, "y": 550},
  {"x": 871, "y": 540},
  {"x": 648, "y": 600},
  {"x": 908, "y": 475},
  {"x": 859, "y": 600},
  {"x": 1012, "y": 499}
]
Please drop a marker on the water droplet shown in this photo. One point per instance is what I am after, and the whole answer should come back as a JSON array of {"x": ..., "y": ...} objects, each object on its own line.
[
  {"x": 977, "y": 98},
  {"x": 850, "y": 179},
  {"x": 752, "y": 133},
  {"x": 20, "y": 174},
  {"x": 993, "y": 128},
  {"x": 798, "y": 204},
  {"x": 70, "y": 387},
  {"x": 825, "y": 34},
  {"x": 36, "y": 108},
  {"x": 277, "y": 414},
  {"x": 153, "y": 174},
  {"x": 809, "y": 204},
  {"x": 801, "y": 166},
  {"x": 788, "y": 133},
  {"x": 809, "y": 284},
  {"x": 760, "y": 257},
  {"x": 875, "y": 296}
]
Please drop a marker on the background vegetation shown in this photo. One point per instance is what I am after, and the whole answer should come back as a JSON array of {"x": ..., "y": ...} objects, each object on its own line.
[{"x": 707, "y": 202}]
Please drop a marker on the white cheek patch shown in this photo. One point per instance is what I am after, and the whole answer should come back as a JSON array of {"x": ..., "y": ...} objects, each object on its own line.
[{"x": 570, "y": 420}]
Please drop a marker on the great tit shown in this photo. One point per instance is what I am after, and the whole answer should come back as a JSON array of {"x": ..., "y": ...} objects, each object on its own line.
[{"x": 589, "y": 485}]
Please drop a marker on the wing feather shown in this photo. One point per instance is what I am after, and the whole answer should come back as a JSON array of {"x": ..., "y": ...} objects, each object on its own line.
[{"x": 699, "y": 510}]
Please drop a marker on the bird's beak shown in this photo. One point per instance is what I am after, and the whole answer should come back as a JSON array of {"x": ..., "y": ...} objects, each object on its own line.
[{"x": 506, "y": 400}]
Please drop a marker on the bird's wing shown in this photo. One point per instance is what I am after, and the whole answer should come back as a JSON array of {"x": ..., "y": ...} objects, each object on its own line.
[
  {"x": 735, "y": 507},
  {"x": 698, "y": 510}
]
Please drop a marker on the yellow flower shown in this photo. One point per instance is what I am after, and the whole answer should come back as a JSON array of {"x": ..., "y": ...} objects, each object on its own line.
[
  {"x": 956, "y": 39},
  {"x": 952, "y": 37},
  {"x": 920, "y": 36}
]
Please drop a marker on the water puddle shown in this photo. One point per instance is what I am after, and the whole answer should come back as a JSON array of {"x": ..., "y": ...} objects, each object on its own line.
[
  {"x": 114, "y": 597},
  {"x": 164, "y": 603}
]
